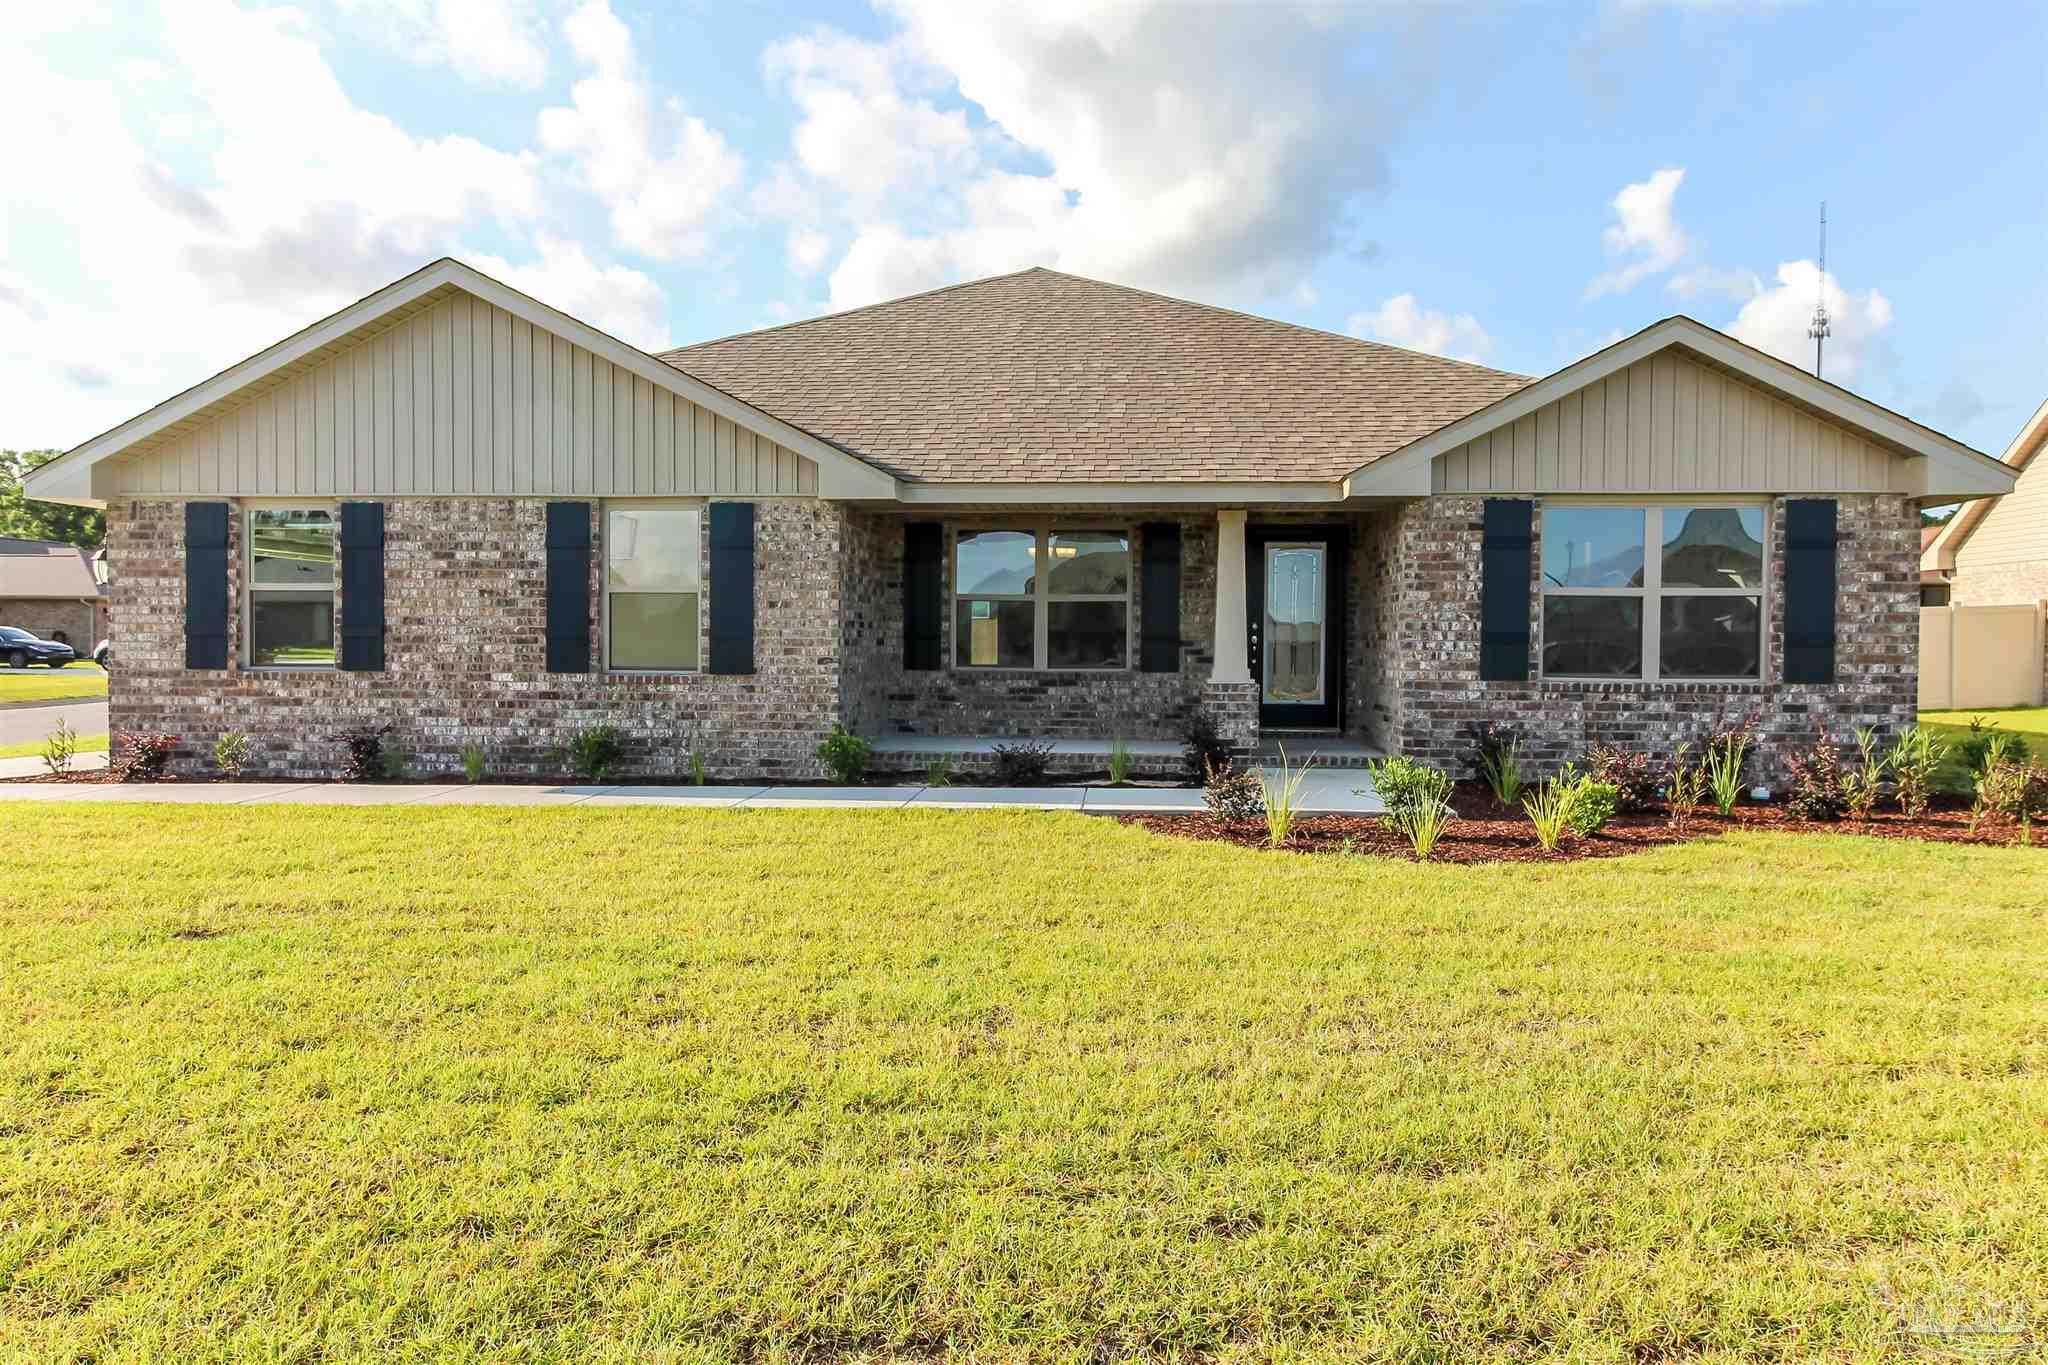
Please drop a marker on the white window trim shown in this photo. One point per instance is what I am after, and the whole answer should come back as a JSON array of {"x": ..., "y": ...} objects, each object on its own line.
[
  {"x": 1041, "y": 595},
  {"x": 604, "y": 592},
  {"x": 246, "y": 509},
  {"x": 1652, "y": 591}
]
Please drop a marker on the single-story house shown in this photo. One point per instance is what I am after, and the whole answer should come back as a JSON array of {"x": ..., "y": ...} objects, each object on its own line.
[
  {"x": 49, "y": 588},
  {"x": 1033, "y": 505},
  {"x": 1994, "y": 552}
]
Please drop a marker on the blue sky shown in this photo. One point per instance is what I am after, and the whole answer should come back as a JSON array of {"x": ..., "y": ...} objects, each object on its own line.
[{"x": 1518, "y": 185}]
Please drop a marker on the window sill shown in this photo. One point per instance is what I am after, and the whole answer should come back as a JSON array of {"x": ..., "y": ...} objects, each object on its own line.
[
  {"x": 654, "y": 672},
  {"x": 290, "y": 668},
  {"x": 1576, "y": 681},
  {"x": 978, "y": 670}
]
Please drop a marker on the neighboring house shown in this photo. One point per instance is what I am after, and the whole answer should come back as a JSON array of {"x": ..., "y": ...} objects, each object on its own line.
[
  {"x": 48, "y": 588},
  {"x": 1994, "y": 552},
  {"x": 1029, "y": 505}
]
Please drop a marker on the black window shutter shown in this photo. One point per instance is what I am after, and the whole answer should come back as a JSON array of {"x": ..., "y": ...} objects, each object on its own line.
[
  {"x": 732, "y": 587},
  {"x": 1159, "y": 583},
  {"x": 924, "y": 582},
  {"x": 1810, "y": 590},
  {"x": 568, "y": 542},
  {"x": 206, "y": 585},
  {"x": 1504, "y": 591},
  {"x": 362, "y": 587}
]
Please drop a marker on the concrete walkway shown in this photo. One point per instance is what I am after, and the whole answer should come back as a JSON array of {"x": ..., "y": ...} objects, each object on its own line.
[{"x": 1322, "y": 793}]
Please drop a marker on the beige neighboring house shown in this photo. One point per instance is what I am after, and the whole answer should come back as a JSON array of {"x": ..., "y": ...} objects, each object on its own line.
[
  {"x": 49, "y": 588},
  {"x": 1994, "y": 551}
]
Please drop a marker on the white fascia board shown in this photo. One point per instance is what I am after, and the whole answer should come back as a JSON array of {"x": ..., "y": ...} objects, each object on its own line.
[
  {"x": 67, "y": 478},
  {"x": 1042, "y": 493},
  {"x": 1948, "y": 468}
]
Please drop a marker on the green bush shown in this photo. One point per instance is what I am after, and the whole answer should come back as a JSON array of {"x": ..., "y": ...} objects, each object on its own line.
[
  {"x": 845, "y": 755},
  {"x": 231, "y": 754},
  {"x": 1637, "y": 783},
  {"x": 1914, "y": 758},
  {"x": 473, "y": 762},
  {"x": 593, "y": 752},
  {"x": 1500, "y": 762},
  {"x": 1976, "y": 747},
  {"x": 1593, "y": 805},
  {"x": 1022, "y": 764},
  {"x": 1418, "y": 800},
  {"x": 1234, "y": 795}
]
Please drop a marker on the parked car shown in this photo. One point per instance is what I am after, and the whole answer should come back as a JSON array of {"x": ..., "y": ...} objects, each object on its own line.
[
  {"x": 103, "y": 654},
  {"x": 20, "y": 649}
]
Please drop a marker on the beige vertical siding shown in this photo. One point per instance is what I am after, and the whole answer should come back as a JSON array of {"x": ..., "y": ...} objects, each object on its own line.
[
  {"x": 1669, "y": 424},
  {"x": 463, "y": 397},
  {"x": 2015, "y": 529}
]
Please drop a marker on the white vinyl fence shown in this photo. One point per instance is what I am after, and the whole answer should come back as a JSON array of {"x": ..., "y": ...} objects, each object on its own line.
[{"x": 1981, "y": 656}]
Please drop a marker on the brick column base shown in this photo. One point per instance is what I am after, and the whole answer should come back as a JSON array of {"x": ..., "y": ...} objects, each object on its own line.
[{"x": 1235, "y": 707}]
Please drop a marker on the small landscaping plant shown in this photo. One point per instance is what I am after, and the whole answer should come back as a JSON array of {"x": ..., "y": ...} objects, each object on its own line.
[
  {"x": 1418, "y": 801},
  {"x": 1863, "y": 782},
  {"x": 1633, "y": 775},
  {"x": 1119, "y": 762},
  {"x": 845, "y": 755},
  {"x": 1499, "y": 759},
  {"x": 1915, "y": 757},
  {"x": 392, "y": 762},
  {"x": 1727, "y": 755},
  {"x": 1817, "y": 790},
  {"x": 939, "y": 771},
  {"x": 59, "y": 747},
  {"x": 473, "y": 762},
  {"x": 593, "y": 752},
  {"x": 365, "y": 754},
  {"x": 1281, "y": 800},
  {"x": 2011, "y": 788},
  {"x": 1549, "y": 808},
  {"x": 1022, "y": 764},
  {"x": 1975, "y": 748},
  {"x": 1593, "y": 806},
  {"x": 142, "y": 756},
  {"x": 231, "y": 754},
  {"x": 1233, "y": 795},
  {"x": 1203, "y": 746},
  {"x": 697, "y": 778},
  {"x": 1686, "y": 786}
]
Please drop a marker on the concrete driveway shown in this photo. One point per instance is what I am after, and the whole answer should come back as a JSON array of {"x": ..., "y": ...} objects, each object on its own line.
[{"x": 32, "y": 720}]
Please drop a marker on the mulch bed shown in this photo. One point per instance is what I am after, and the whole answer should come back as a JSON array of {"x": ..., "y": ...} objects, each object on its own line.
[{"x": 1487, "y": 832}]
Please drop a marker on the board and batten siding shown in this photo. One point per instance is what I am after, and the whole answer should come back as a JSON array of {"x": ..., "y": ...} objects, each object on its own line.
[
  {"x": 2015, "y": 529},
  {"x": 1669, "y": 425},
  {"x": 464, "y": 397}
]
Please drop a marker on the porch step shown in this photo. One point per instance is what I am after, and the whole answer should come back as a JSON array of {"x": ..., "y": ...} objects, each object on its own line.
[{"x": 1323, "y": 750}]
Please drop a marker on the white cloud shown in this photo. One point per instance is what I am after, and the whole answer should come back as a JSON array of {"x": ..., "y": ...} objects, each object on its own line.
[
  {"x": 1645, "y": 233},
  {"x": 1776, "y": 320},
  {"x": 612, "y": 298},
  {"x": 807, "y": 250},
  {"x": 1120, "y": 140},
  {"x": 662, "y": 173},
  {"x": 1401, "y": 321},
  {"x": 489, "y": 42}
]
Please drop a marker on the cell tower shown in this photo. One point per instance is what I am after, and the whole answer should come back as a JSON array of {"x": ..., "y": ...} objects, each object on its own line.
[{"x": 1819, "y": 330}]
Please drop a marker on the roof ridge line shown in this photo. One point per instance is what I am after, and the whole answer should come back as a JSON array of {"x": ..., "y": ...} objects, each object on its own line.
[{"x": 847, "y": 312}]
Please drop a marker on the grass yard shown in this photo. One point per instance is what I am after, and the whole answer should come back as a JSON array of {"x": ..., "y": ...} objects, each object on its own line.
[
  {"x": 33, "y": 748},
  {"x": 305, "y": 1084},
  {"x": 83, "y": 681},
  {"x": 2030, "y": 723}
]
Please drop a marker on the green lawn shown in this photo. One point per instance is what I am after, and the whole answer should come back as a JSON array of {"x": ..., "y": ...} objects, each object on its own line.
[
  {"x": 2030, "y": 723},
  {"x": 82, "y": 680},
  {"x": 33, "y": 748},
  {"x": 299, "y": 1084}
]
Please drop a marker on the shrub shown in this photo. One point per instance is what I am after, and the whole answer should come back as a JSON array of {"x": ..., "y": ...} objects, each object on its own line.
[
  {"x": 1863, "y": 783},
  {"x": 2011, "y": 787},
  {"x": 59, "y": 747},
  {"x": 1727, "y": 755},
  {"x": 473, "y": 762},
  {"x": 1500, "y": 762},
  {"x": 1593, "y": 805},
  {"x": 1633, "y": 776},
  {"x": 142, "y": 757},
  {"x": 1549, "y": 808},
  {"x": 1233, "y": 795},
  {"x": 1119, "y": 762},
  {"x": 845, "y": 755},
  {"x": 1975, "y": 748},
  {"x": 939, "y": 771},
  {"x": 1686, "y": 785},
  {"x": 1203, "y": 747},
  {"x": 1022, "y": 764},
  {"x": 365, "y": 754},
  {"x": 1418, "y": 800},
  {"x": 1281, "y": 800},
  {"x": 231, "y": 754},
  {"x": 1817, "y": 788},
  {"x": 1914, "y": 757},
  {"x": 394, "y": 760},
  {"x": 593, "y": 752},
  {"x": 697, "y": 777}
]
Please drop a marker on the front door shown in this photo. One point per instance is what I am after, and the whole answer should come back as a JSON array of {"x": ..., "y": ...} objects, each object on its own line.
[{"x": 1297, "y": 640}]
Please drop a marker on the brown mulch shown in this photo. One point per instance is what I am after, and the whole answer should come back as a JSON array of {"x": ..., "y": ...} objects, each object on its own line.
[{"x": 1487, "y": 832}]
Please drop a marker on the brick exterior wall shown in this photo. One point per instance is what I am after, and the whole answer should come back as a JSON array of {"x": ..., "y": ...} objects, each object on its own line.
[
  {"x": 466, "y": 614},
  {"x": 1991, "y": 585},
  {"x": 51, "y": 617},
  {"x": 1440, "y": 697}
]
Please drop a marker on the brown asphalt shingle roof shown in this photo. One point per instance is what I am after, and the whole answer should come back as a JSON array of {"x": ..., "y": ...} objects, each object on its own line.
[
  {"x": 1045, "y": 376},
  {"x": 46, "y": 568}
]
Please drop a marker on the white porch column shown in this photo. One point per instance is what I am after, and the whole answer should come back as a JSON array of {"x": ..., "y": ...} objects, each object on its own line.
[{"x": 1231, "y": 656}]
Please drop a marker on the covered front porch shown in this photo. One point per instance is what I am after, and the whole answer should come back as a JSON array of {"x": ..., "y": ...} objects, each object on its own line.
[{"x": 1092, "y": 626}]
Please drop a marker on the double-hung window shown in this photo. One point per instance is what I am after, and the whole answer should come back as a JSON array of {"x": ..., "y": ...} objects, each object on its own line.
[
  {"x": 291, "y": 587},
  {"x": 1042, "y": 598},
  {"x": 653, "y": 586},
  {"x": 1657, "y": 593}
]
